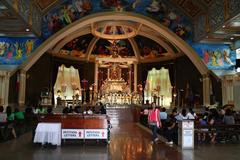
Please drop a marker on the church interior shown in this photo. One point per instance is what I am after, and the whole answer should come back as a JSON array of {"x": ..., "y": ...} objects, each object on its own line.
[{"x": 121, "y": 56}]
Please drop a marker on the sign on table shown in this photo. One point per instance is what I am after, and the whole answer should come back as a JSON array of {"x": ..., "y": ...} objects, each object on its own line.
[
  {"x": 95, "y": 134},
  {"x": 72, "y": 133}
]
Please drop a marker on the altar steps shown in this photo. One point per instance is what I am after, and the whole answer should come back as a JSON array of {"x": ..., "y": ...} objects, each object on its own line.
[{"x": 120, "y": 115}]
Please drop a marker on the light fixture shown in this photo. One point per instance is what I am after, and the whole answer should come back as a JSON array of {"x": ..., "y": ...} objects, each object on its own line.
[
  {"x": 90, "y": 88},
  {"x": 27, "y": 30},
  {"x": 223, "y": 26},
  {"x": 174, "y": 94},
  {"x": 238, "y": 69},
  {"x": 77, "y": 91},
  {"x": 232, "y": 38},
  {"x": 59, "y": 93}
]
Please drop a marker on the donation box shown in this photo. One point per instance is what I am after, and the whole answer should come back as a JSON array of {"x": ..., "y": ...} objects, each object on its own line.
[{"x": 186, "y": 134}]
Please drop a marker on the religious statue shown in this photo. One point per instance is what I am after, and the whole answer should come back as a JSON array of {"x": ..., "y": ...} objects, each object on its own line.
[
  {"x": 115, "y": 72},
  {"x": 114, "y": 49}
]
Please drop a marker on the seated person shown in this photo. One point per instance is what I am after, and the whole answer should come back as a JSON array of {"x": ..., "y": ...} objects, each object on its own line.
[
  {"x": 102, "y": 109},
  {"x": 10, "y": 120},
  {"x": 89, "y": 111},
  {"x": 77, "y": 109},
  {"x": 70, "y": 109},
  {"x": 65, "y": 110},
  {"x": 3, "y": 116},
  {"x": 182, "y": 115},
  {"x": 40, "y": 110},
  {"x": 18, "y": 114},
  {"x": 213, "y": 134},
  {"x": 49, "y": 111},
  {"x": 228, "y": 117},
  {"x": 191, "y": 114},
  {"x": 163, "y": 114},
  {"x": 171, "y": 130}
]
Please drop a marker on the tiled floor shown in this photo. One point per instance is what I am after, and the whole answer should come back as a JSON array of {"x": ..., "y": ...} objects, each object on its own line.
[{"x": 128, "y": 142}]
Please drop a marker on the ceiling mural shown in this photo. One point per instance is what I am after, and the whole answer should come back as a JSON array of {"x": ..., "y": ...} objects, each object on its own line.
[
  {"x": 215, "y": 56},
  {"x": 43, "y": 4},
  {"x": 111, "y": 48},
  {"x": 77, "y": 47},
  {"x": 161, "y": 10},
  {"x": 15, "y": 51},
  {"x": 149, "y": 49}
]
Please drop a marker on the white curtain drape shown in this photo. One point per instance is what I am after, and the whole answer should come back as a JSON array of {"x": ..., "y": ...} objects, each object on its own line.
[
  {"x": 67, "y": 82},
  {"x": 158, "y": 84}
]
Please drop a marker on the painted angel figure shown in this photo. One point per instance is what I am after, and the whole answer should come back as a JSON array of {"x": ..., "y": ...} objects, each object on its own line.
[
  {"x": 114, "y": 49},
  {"x": 226, "y": 56}
]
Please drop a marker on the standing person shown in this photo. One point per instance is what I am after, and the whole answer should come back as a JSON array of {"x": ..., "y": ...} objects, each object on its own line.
[{"x": 154, "y": 121}]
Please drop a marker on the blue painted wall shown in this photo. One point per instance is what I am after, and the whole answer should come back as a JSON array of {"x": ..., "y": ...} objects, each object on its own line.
[
  {"x": 14, "y": 51},
  {"x": 216, "y": 56}
]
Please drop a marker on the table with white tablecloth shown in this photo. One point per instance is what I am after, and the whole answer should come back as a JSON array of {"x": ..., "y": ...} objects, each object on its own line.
[{"x": 48, "y": 133}]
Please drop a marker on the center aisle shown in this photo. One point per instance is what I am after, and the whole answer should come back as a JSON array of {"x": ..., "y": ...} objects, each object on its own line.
[{"x": 131, "y": 142}]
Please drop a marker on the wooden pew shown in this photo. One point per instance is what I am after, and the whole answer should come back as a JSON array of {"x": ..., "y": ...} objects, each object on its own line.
[{"x": 222, "y": 131}]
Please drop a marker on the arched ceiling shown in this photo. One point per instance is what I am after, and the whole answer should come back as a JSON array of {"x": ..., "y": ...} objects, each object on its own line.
[
  {"x": 146, "y": 46},
  {"x": 153, "y": 27}
]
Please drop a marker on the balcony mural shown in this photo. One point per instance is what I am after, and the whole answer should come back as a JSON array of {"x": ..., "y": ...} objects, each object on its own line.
[{"x": 15, "y": 51}]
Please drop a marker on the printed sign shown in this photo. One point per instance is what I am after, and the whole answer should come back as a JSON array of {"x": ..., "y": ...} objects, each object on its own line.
[
  {"x": 238, "y": 53},
  {"x": 72, "y": 133},
  {"x": 187, "y": 124},
  {"x": 187, "y": 138},
  {"x": 95, "y": 133}
]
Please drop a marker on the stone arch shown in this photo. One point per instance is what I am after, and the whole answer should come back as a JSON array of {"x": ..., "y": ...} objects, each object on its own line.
[{"x": 88, "y": 20}]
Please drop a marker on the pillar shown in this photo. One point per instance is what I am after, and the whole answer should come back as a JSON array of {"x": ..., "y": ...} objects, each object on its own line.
[
  {"x": 130, "y": 77},
  {"x": 135, "y": 77},
  {"x": 206, "y": 90},
  {"x": 6, "y": 90},
  {"x": 5, "y": 78},
  {"x": 96, "y": 78},
  {"x": 22, "y": 88},
  {"x": 227, "y": 90}
]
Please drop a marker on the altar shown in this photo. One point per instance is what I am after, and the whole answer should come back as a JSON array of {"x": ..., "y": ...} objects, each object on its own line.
[{"x": 115, "y": 90}]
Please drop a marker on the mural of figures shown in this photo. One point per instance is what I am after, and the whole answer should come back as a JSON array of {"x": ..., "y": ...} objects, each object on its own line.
[
  {"x": 149, "y": 48},
  {"x": 77, "y": 47},
  {"x": 64, "y": 14},
  {"x": 216, "y": 57},
  {"x": 104, "y": 48},
  {"x": 113, "y": 3},
  {"x": 14, "y": 51},
  {"x": 160, "y": 10}
]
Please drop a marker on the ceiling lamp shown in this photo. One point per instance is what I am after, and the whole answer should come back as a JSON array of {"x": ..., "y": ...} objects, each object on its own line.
[{"x": 114, "y": 31}]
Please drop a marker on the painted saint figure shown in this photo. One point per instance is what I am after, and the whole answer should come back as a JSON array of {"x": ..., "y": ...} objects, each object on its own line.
[{"x": 29, "y": 47}]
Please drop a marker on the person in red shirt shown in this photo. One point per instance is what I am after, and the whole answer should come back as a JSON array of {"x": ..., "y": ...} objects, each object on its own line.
[{"x": 154, "y": 121}]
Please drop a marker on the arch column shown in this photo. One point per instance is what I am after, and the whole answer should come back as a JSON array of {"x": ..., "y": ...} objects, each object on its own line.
[
  {"x": 22, "y": 87},
  {"x": 5, "y": 78},
  {"x": 135, "y": 76},
  {"x": 96, "y": 78},
  {"x": 206, "y": 90},
  {"x": 227, "y": 90}
]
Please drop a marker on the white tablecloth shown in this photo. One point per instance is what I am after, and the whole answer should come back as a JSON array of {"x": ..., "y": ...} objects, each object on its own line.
[{"x": 48, "y": 133}]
